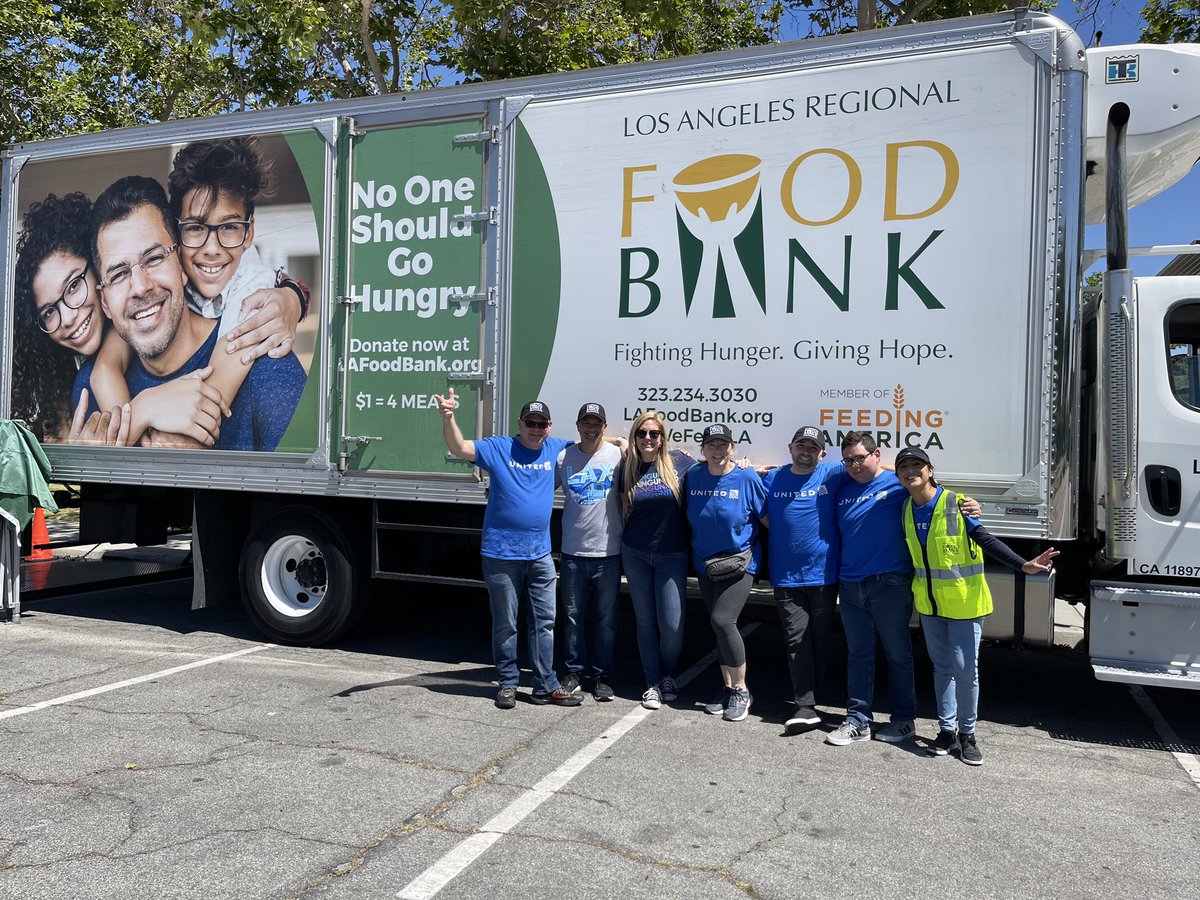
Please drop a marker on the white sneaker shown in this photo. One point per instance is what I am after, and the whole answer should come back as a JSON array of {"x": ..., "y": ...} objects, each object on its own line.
[
  {"x": 668, "y": 689},
  {"x": 652, "y": 699},
  {"x": 895, "y": 732}
]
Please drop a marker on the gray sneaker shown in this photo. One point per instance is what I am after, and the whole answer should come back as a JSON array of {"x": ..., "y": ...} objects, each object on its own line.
[
  {"x": 652, "y": 699},
  {"x": 738, "y": 706},
  {"x": 716, "y": 706},
  {"x": 848, "y": 733},
  {"x": 895, "y": 732},
  {"x": 668, "y": 689}
]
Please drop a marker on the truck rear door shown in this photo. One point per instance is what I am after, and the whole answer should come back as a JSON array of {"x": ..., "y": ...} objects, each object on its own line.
[{"x": 414, "y": 295}]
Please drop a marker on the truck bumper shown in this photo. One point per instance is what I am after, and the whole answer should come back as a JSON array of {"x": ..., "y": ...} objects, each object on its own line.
[{"x": 1145, "y": 634}]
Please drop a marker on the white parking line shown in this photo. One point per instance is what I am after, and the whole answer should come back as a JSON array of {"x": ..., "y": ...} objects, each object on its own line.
[
  {"x": 1187, "y": 761},
  {"x": 71, "y": 698},
  {"x": 437, "y": 876}
]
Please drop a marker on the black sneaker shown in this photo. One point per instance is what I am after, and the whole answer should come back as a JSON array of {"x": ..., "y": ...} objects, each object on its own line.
[
  {"x": 506, "y": 698},
  {"x": 571, "y": 683},
  {"x": 945, "y": 743},
  {"x": 803, "y": 719},
  {"x": 602, "y": 691},
  {"x": 558, "y": 698},
  {"x": 968, "y": 750}
]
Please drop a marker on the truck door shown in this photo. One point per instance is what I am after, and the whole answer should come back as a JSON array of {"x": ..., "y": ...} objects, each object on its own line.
[
  {"x": 414, "y": 298},
  {"x": 1168, "y": 428}
]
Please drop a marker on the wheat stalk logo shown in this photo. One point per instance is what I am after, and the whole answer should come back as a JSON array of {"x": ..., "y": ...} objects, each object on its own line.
[{"x": 898, "y": 397}]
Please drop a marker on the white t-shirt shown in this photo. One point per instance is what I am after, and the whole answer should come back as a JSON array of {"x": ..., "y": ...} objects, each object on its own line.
[{"x": 592, "y": 521}]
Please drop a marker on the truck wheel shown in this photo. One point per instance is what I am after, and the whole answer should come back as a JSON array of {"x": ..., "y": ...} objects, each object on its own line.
[{"x": 299, "y": 582}]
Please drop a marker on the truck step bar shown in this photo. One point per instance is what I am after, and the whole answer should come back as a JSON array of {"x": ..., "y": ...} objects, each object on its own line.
[
  {"x": 1145, "y": 633},
  {"x": 1175, "y": 678}
]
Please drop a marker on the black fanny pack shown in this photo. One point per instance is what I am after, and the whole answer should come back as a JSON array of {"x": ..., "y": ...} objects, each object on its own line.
[{"x": 727, "y": 566}]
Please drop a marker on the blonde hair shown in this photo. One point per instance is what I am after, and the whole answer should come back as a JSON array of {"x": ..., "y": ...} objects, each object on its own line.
[{"x": 662, "y": 461}]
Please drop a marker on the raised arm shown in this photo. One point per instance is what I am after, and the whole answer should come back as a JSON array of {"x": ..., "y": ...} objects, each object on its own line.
[{"x": 455, "y": 442}]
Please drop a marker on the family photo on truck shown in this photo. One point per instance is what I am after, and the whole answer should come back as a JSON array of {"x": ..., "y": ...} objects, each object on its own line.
[{"x": 150, "y": 319}]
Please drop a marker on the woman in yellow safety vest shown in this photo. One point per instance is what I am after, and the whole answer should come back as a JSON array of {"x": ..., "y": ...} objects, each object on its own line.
[{"x": 951, "y": 595}]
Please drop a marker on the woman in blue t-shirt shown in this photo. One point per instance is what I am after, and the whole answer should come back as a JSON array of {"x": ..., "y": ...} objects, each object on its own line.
[
  {"x": 724, "y": 506},
  {"x": 952, "y": 596},
  {"x": 654, "y": 551}
]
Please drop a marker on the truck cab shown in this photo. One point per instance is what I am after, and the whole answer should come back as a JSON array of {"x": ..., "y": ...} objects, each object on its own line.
[{"x": 1144, "y": 469}]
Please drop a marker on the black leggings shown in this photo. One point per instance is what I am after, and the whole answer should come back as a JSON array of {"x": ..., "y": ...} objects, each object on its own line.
[{"x": 725, "y": 601}]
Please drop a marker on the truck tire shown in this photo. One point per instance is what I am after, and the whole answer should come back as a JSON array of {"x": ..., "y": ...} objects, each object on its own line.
[{"x": 299, "y": 581}]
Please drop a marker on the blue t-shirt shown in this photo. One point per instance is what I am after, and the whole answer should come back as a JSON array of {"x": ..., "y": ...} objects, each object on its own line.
[
  {"x": 923, "y": 514},
  {"x": 516, "y": 523},
  {"x": 803, "y": 539},
  {"x": 723, "y": 511},
  {"x": 871, "y": 529},
  {"x": 656, "y": 522},
  {"x": 263, "y": 406},
  {"x": 83, "y": 379}
]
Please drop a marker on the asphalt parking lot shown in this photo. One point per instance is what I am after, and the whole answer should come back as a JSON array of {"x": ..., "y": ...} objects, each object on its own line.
[{"x": 148, "y": 751}]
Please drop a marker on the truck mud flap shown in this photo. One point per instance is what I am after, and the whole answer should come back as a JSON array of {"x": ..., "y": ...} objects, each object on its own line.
[{"x": 1145, "y": 634}]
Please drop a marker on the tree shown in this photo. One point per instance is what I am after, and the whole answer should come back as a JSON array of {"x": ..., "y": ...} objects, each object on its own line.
[
  {"x": 82, "y": 65},
  {"x": 840, "y": 16},
  {"x": 504, "y": 38},
  {"x": 1171, "y": 20}
]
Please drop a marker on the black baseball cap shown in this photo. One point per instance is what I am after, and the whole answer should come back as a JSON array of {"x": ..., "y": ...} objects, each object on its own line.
[
  {"x": 810, "y": 433},
  {"x": 536, "y": 407},
  {"x": 913, "y": 453},
  {"x": 592, "y": 409},
  {"x": 716, "y": 432}
]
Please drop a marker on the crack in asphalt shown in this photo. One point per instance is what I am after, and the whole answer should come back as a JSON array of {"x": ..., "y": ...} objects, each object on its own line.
[
  {"x": 419, "y": 820},
  {"x": 723, "y": 872},
  {"x": 173, "y": 845}
]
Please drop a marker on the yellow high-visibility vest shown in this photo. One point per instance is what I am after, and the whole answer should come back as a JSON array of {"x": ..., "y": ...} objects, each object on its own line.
[{"x": 948, "y": 581}]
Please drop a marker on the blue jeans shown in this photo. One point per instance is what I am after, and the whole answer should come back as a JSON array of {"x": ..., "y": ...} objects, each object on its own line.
[
  {"x": 954, "y": 648},
  {"x": 590, "y": 588},
  {"x": 879, "y": 605},
  {"x": 657, "y": 586},
  {"x": 507, "y": 580}
]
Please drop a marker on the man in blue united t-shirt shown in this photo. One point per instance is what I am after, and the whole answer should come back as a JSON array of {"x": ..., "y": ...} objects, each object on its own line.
[
  {"x": 876, "y": 598},
  {"x": 516, "y": 543},
  {"x": 803, "y": 556}
]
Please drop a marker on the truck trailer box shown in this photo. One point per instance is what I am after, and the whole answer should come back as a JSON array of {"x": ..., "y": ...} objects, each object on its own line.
[{"x": 878, "y": 232}]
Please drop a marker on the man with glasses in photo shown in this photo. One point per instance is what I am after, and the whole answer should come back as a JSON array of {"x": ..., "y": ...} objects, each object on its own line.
[
  {"x": 516, "y": 543},
  {"x": 135, "y": 251}
]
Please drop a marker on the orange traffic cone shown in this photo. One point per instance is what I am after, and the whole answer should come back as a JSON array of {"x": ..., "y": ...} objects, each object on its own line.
[{"x": 39, "y": 543}]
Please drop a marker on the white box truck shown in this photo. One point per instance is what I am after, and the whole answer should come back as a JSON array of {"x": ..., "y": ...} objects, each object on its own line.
[{"x": 879, "y": 231}]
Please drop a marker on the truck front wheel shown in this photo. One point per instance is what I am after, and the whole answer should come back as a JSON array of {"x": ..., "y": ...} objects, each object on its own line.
[{"x": 298, "y": 579}]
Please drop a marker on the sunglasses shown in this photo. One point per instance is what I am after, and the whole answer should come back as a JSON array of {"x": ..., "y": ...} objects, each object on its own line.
[
  {"x": 644, "y": 433},
  {"x": 536, "y": 425}
]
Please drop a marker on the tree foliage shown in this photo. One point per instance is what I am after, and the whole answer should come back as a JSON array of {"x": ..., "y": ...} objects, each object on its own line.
[
  {"x": 501, "y": 38},
  {"x": 821, "y": 17},
  {"x": 1171, "y": 20},
  {"x": 83, "y": 65}
]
